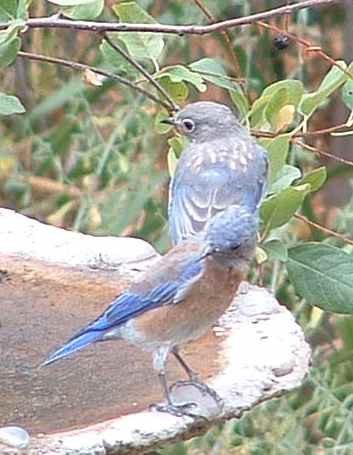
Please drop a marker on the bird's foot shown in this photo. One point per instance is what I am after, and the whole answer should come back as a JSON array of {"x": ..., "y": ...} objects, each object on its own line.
[
  {"x": 204, "y": 388},
  {"x": 177, "y": 410}
]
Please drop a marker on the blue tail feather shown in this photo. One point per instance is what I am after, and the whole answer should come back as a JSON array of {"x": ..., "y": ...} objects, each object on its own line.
[{"x": 74, "y": 345}]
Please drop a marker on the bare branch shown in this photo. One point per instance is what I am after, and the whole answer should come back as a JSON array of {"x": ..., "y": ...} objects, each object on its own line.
[
  {"x": 82, "y": 67},
  {"x": 322, "y": 152},
  {"x": 324, "y": 229},
  {"x": 90, "y": 26},
  {"x": 341, "y": 128},
  {"x": 309, "y": 47}
]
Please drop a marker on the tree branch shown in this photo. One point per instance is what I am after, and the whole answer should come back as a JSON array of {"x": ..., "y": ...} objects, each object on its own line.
[
  {"x": 324, "y": 229},
  {"x": 58, "y": 22},
  {"x": 341, "y": 128},
  {"x": 142, "y": 70},
  {"x": 322, "y": 152},
  {"x": 82, "y": 67},
  {"x": 309, "y": 47}
]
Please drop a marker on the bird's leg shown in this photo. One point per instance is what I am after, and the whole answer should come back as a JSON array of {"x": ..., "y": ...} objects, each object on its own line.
[
  {"x": 178, "y": 410},
  {"x": 192, "y": 375},
  {"x": 195, "y": 381}
]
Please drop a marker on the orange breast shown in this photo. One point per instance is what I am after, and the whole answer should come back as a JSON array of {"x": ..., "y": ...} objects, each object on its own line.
[{"x": 191, "y": 318}]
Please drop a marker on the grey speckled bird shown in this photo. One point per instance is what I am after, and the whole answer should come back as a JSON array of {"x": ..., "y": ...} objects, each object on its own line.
[{"x": 222, "y": 166}]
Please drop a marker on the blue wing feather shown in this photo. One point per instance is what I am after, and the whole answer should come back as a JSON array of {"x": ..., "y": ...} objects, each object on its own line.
[{"x": 128, "y": 306}]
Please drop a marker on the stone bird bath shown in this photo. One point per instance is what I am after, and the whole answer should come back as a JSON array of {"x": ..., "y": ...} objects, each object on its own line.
[{"x": 52, "y": 282}]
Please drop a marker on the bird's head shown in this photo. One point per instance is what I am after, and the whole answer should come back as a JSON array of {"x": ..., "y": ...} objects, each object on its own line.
[
  {"x": 231, "y": 236},
  {"x": 202, "y": 120}
]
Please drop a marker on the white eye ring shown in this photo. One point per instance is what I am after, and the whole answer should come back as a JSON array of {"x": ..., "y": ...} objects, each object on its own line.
[{"x": 188, "y": 125}]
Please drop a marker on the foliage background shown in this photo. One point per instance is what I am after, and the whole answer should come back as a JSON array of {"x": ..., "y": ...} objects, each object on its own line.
[{"x": 92, "y": 158}]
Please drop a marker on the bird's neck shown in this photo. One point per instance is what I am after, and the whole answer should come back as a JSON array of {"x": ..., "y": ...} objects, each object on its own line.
[{"x": 228, "y": 264}]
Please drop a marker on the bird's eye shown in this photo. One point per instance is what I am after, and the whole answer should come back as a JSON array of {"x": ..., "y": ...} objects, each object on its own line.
[{"x": 188, "y": 125}]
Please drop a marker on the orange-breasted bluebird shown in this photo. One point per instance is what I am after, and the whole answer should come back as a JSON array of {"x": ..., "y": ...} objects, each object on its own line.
[
  {"x": 221, "y": 166},
  {"x": 180, "y": 298}
]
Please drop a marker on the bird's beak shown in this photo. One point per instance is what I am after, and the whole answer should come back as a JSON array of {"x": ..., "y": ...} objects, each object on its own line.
[{"x": 169, "y": 121}]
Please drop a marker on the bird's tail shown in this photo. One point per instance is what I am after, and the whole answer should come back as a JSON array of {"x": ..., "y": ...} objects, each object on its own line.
[{"x": 76, "y": 343}]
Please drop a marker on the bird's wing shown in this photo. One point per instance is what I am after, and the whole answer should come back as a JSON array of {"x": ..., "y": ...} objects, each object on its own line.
[
  {"x": 198, "y": 193},
  {"x": 131, "y": 304}
]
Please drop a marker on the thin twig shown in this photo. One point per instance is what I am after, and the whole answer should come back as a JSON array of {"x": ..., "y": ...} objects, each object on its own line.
[
  {"x": 83, "y": 67},
  {"x": 142, "y": 70},
  {"x": 97, "y": 27},
  {"x": 324, "y": 229},
  {"x": 311, "y": 148},
  {"x": 307, "y": 45},
  {"x": 322, "y": 152},
  {"x": 226, "y": 36},
  {"x": 331, "y": 129}
]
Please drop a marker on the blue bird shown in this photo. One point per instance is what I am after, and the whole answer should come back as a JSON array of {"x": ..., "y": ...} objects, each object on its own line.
[
  {"x": 221, "y": 166},
  {"x": 179, "y": 299}
]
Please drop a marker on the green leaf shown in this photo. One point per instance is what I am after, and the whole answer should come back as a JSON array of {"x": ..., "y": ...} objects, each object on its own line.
[
  {"x": 276, "y": 250},
  {"x": 22, "y": 10},
  {"x": 177, "y": 145},
  {"x": 8, "y": 51},
  {"x": 283, "y": 93},
  {"x": 177, "y": 90},
  {"x": 8, "y": 9},
  {"x": 331, "y": 82},
  {"x": 347, "y": 94},
  {"x": 294, "y": 90},
  {"x": 12, "y": 31},
  {"x": 172, "y": 161},
  {"x": 272, "y": 99},
  {"x": 285, "y": 178},
  {"x": 139, "y": 45},
  {"x": 208, "y": 65},
  {"x": 181, "y": 73},
  {"x": 85, "y": 12},
  {"x": 240, "y": 101},
  {"x": 71, "y": 2},
  {"x": 315, "y": 178},
  {"x": 10, "y": 105},
  {"x": 162, "y": 128},
  {"x": 277, "y": 149},
  {"x": 279, "y": 208},
  {"x": 323, "y": 275},
  {"x": 256, "y": 113},
  {"x": 113, "y": 60},
  {"x": 278, "y": 100},
  {"x": 334, "y": 77},
  {"x": 213, "y": 71}
]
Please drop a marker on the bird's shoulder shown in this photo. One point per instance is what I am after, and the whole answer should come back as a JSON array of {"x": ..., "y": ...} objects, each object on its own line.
[
  {"x": 231, "y": 151},
  {"x": 170, "y": 267}
]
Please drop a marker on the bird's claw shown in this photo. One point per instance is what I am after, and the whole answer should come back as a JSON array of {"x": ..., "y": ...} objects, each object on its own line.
[
  {"x": 177, "y": 410},
  {"x": 204, "y": 388}
]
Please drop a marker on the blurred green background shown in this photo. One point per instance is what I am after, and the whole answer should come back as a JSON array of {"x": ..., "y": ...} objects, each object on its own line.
[{"x": 92, "y": 158}]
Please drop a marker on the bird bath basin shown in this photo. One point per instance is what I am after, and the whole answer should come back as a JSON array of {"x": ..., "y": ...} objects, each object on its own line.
[{"x": 52, "y": 282}]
